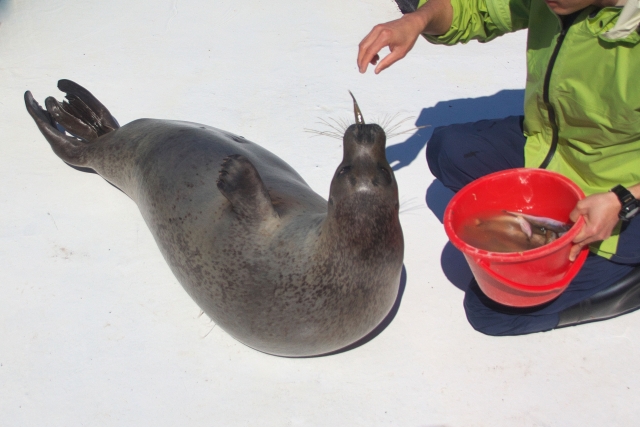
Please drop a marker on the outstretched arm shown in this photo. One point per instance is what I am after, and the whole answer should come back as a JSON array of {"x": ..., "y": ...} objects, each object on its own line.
[
  {"x": 433, "y": 18},
  {"x": 600, "y": 212}
]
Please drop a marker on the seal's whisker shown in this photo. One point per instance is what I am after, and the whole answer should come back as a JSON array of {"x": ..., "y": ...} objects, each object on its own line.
[
  {"x": 410, "y": 206},
  {"x": 392, "y": 125},
  {"x": 342, "y": 124},
  {"x": 407, "y": 131},
  {"x": 324, "y": 133},
  {"x": 337, "y": 127},
  {"x": 411, "y": 210},
  {"x": 212, "y": 328},
  {"x": 388, "y": 119}
]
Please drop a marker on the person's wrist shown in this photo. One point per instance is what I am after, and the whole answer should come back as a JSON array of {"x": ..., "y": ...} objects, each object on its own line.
[
  {"x": 628, "y": 202},
  {"x": 419, "y": 20},
  {"x": 613, "y": 200},
  {"x": 612, "y": 204}
]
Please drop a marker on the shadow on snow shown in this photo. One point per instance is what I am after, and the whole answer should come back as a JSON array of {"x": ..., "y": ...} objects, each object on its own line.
[{"x": 502, "y": 104}]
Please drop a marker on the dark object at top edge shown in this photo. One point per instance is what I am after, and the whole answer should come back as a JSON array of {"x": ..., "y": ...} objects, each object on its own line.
[{"x": 407, "y": 6}]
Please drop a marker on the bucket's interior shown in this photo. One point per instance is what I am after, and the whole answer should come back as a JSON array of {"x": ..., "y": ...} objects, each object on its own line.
[{"x": 530, "y": 191}]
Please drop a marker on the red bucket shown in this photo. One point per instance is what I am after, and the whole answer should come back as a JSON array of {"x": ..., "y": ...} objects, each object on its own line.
[{"x": 528, "y": 278}]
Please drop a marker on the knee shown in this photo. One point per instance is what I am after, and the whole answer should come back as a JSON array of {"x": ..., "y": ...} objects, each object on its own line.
[
  {"x": 480, "y": 317},
  {"x": 486, "y": 317},
  {"x": 445, "y": 155},
  {"x": 434, "y": 147}
]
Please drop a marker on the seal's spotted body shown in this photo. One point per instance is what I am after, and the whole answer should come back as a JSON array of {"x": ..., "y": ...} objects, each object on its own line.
[{"x": 268, "y": 259}]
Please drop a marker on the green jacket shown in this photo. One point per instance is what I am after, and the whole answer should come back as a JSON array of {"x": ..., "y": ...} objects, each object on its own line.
[{"x": 590, "y": 104}]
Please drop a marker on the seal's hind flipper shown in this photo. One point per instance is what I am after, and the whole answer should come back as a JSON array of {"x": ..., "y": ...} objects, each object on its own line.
[
  {"x": 82, "y": 111},
  {"x": 82, "y": 115},
  {"x": 240, "y": 183},
  {"x": 69, "y": 149},
  {"x": 70, "y": 121},
  {"x": 39, "y": 115}
]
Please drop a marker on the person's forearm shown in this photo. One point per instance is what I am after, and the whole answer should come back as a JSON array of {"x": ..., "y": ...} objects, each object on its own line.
[{"x": 435, "y": 17}]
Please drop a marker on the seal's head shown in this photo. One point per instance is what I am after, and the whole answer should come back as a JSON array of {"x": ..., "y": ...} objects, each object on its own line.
[{"x": 364, "y": 192}]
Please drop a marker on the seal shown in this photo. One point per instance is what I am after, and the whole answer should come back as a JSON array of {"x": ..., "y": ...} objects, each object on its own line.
[{"x": 265, "y": 257}]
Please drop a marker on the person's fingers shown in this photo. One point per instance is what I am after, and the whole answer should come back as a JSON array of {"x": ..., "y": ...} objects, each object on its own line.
[
  {"x": 364, "y": 59},
  {"x": 576, "y": 212},
  {"x": 370, "y": 55},
  {"x": 589, "y": 234},
  {"x": 390, "y": 59},
  {"x": 399, "y": 36},
  {"x": 575, "y": 251},
  {"x": 579, "y": 241},
  {"x": 582, "y": 234},
  {"x": 583, "y": 238},
  {"x": 367, "y": 49},
  {"x": 600, "y": 219},
  {"x": 593, "y": 231},
  {"x": 577, "y": 247}
]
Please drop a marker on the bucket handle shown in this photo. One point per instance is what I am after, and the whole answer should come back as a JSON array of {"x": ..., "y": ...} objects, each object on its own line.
[{"x": 569, "y": 275}]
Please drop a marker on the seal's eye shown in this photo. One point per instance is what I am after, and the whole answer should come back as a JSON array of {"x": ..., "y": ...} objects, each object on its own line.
[{"x": 344, "y": 170}]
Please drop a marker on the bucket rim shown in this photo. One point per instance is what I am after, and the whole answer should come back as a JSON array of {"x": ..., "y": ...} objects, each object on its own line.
[{"x": 527, "y": 255}]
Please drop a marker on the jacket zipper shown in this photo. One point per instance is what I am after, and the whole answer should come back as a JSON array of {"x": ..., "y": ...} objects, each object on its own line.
[{"x": 566, "y": 23}]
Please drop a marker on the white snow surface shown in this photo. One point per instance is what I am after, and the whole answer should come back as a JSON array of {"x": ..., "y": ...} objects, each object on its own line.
[{"x": 96, "y": 331}]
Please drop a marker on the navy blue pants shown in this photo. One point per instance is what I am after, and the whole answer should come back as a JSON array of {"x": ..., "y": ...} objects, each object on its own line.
[{"x": 458, "y": 154}]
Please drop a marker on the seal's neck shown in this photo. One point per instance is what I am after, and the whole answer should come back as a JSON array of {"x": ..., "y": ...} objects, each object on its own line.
[{"x": 362, "y": 227}]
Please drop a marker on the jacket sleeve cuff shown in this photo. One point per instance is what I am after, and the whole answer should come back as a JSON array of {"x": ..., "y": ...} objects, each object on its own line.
[
  {"x": 451, "y": 36},
  {"x": 471, "y": 21},
  {"x": 500, "y": 14},
  {"x": 482, "y": 20}
]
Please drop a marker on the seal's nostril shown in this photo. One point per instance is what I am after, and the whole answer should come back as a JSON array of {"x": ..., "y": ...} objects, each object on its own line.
[
  {"x": 385, "y": 172},
  {"x": 344, "y": 170}
]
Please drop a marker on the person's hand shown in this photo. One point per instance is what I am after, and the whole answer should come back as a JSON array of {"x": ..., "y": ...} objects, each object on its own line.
[
  {"x": 399, "y": 35},
  {"x": 600, "y": 213}
]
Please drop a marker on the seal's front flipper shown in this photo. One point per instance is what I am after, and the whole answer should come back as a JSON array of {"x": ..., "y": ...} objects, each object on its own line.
[
  {"x": 240, "y": 183},
  {"x": 69, "y": 149}
]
